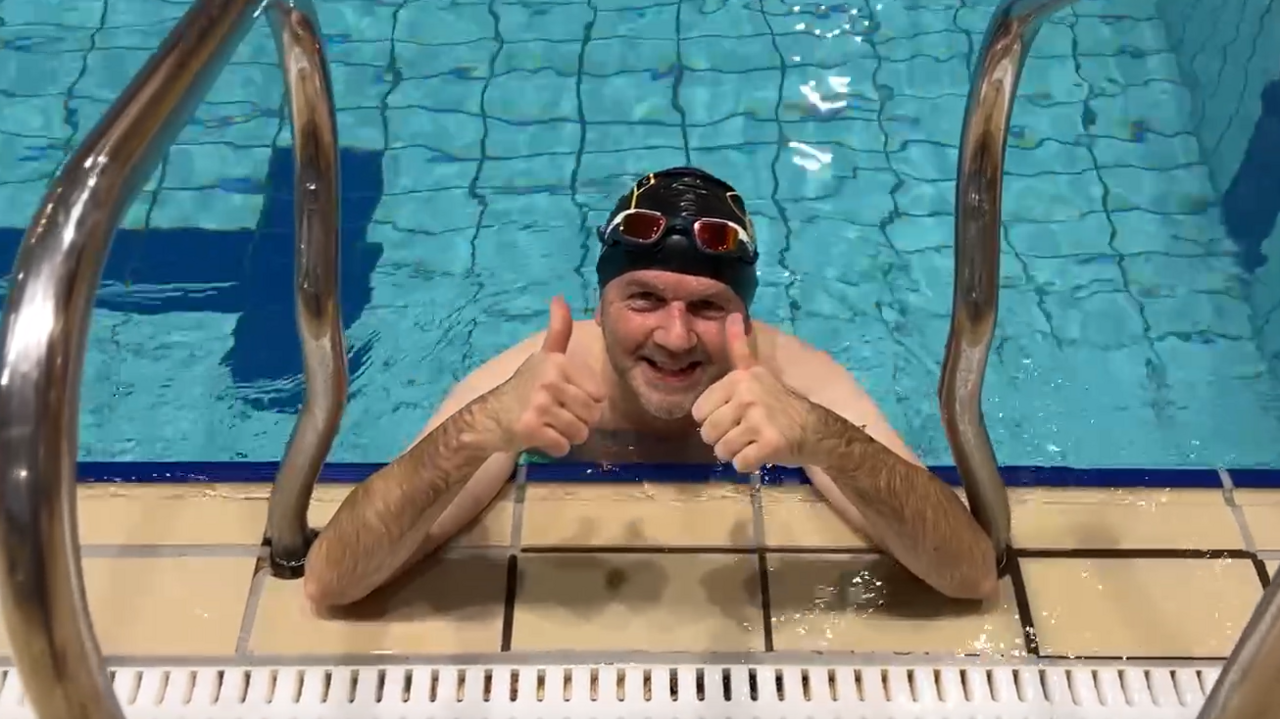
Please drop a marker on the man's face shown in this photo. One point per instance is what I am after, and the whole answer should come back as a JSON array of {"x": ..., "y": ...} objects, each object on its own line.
[{"x": 664, "y": 335}]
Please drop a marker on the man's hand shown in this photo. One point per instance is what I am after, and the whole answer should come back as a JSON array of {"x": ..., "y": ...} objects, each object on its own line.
[
  {"x": 549, "y": 404},
  {"x": 749, "y": 416}
]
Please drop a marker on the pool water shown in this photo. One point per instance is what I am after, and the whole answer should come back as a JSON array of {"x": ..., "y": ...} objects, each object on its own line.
[{"x": 482, "y": 142}]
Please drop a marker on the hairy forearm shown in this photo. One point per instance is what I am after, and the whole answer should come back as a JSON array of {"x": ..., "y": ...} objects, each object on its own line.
[
  {"x": 382, "y": 525},
  {"x": 909, "y": 511}
]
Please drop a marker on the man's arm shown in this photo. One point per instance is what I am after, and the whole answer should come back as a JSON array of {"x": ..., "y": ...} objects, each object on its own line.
[
  {"x": 865, "y": 469},
  {"x": 411, "y": 506}
]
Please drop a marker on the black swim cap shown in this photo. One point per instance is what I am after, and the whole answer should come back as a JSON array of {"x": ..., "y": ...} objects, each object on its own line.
[{"x": 689, "y": 193}]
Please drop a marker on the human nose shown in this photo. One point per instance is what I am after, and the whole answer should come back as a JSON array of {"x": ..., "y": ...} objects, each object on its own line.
[{"x": 675, "y": 334}]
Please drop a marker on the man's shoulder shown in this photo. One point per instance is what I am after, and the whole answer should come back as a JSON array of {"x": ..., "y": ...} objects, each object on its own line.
[
  {"x": 586, "y": 341},
  {"x": 781, "y": 346}
]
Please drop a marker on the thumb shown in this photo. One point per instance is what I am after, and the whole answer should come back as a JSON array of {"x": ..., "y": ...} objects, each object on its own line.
[
  {"x": 735, "y": 331},
  {"x": 559, "y": 329}
]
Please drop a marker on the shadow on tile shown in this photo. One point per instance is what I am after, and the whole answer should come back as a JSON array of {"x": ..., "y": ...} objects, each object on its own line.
[
  {"x": 446, "y": 604},
  {"x": 458, "y": 586},
  {"x": 638, "y": 514},
  {"x": 611, "y": 601}
]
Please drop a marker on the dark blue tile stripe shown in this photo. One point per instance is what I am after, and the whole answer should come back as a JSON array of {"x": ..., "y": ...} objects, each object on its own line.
[{"x": 1123, "y": 477}]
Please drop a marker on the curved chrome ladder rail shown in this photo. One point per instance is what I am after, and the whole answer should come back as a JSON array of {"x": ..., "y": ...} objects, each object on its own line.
[
  {"x": 1247, "y": 687},
  {"x": 46, "y": 324}
]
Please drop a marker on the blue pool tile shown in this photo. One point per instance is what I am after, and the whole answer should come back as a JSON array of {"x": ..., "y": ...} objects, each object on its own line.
[
  {"x": 164, "y": 472},
  {"x": 1052, "y": 477},
  {"x": 865, "y": 136},
  {"x": 43, "y": 116},
  {"x": 732, "y": 19},
  {"x": 654, "y": 22},
  {"x": 184, "y": 208},
  {"x": 468, "y": 60},
  {"x": 631, "y": 97},
  {"x": 56, "y": 43},
  {"x": 405, "y": 171},
  {"x": 18, "y": 203},
  {"x": 550, "y": 97},
  {"x": 440, "y": 92},
  {"x": 750, "y": 53},
  {"x": 370, "y": 53},
  {"x": 1255, "y": 478},
  {"x": 514, "y": 140},
  {"x": 1048, "y": 155},
  {"x": 733, "y": 131},
  {"x": 924, "y": 76},
  {"x": 614, "y": 172},
  {"x": 543, "y": 21},
  {"x": 1054, "y": 40},
  {"x": 246, "y": 271},
  {"x": 355, "y": 86},
  {"x": 582, "y": 472},
  {"x": 191, "y": 167},
  {"x": 423, "y": 23},
  {"x": 431, "y": 211},
  {"x": 630, "y": 137},
  {"x": 1134, "y": 188},
  {"x": 245, "y": 124},
  {"x": 29, "y": 159},
  {"x": 560, "y": 471},
  {"x": 457, "y": 135},
  {"x": 29, "y": 74},
  {"x": 560, "y": 56},
  {"x": 603, "y": 57},
  {"x": 257, "y": 83},
  {"x": 362, "y": 128},
  {"x": 72, "y": 13}
]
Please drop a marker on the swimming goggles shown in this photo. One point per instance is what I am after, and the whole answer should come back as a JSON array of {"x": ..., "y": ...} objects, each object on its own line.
[{"x": 647, "y": 228}]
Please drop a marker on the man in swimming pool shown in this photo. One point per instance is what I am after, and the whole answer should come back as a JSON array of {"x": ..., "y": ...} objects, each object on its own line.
[{"x": 671, "y": 369}]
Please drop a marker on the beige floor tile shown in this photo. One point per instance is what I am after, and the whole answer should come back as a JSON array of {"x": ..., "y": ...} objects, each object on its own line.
[
  {"x": 170, "y": 606},
  {"x": 871, "y": 604},
  {"x": 446, "y": 605},
  {"x": 491, "y": 529},
  {"x": 1140, "y": 607},
  {"x": 693, "y": 514},
  {"x": 170, "y": 514},
  {"x": 798, "y": 516},
  {"x": 658, "y": 602},
  {"x": 1053, "y": 518},
  {"x": 1261, "y": 509}
]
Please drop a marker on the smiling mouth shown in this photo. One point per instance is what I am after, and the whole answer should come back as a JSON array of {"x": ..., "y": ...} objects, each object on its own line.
[{"x": 672, "y": 371}]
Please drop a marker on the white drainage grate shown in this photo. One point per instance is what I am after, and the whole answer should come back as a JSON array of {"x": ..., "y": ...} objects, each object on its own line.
[{"x": 650, "y": 692}]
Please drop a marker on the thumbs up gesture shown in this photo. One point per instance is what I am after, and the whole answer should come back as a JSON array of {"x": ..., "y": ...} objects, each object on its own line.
[
  {"x": 750, "y": 417},
  {"x": 550, "y": 403}
]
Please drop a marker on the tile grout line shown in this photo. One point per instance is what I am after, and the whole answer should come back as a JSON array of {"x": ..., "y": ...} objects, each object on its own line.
[
  {"x": 169, "y": 551},
  {"x": 1237, "y": 512},
  {"x": 256, "y": 587},
  {"x": 1022, "y": 603},
  {"x": 762, "y": 561},
  {"x": 1242, "y": 523},
  {"x": 512, "y": 575},
  {"x": 521, "y": 481}
]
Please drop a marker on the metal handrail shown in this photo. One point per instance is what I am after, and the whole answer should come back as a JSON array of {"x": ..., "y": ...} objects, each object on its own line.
[
  {"x": 1247, "y": 688},
  {"x": 980, "y": 179},
  {"x": 317, "y": 306},
  {"x": 46, "y": 322}
]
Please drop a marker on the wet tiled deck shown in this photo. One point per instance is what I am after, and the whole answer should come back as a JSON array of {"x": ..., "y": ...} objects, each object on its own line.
[{"x": 174, "y": 572}]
